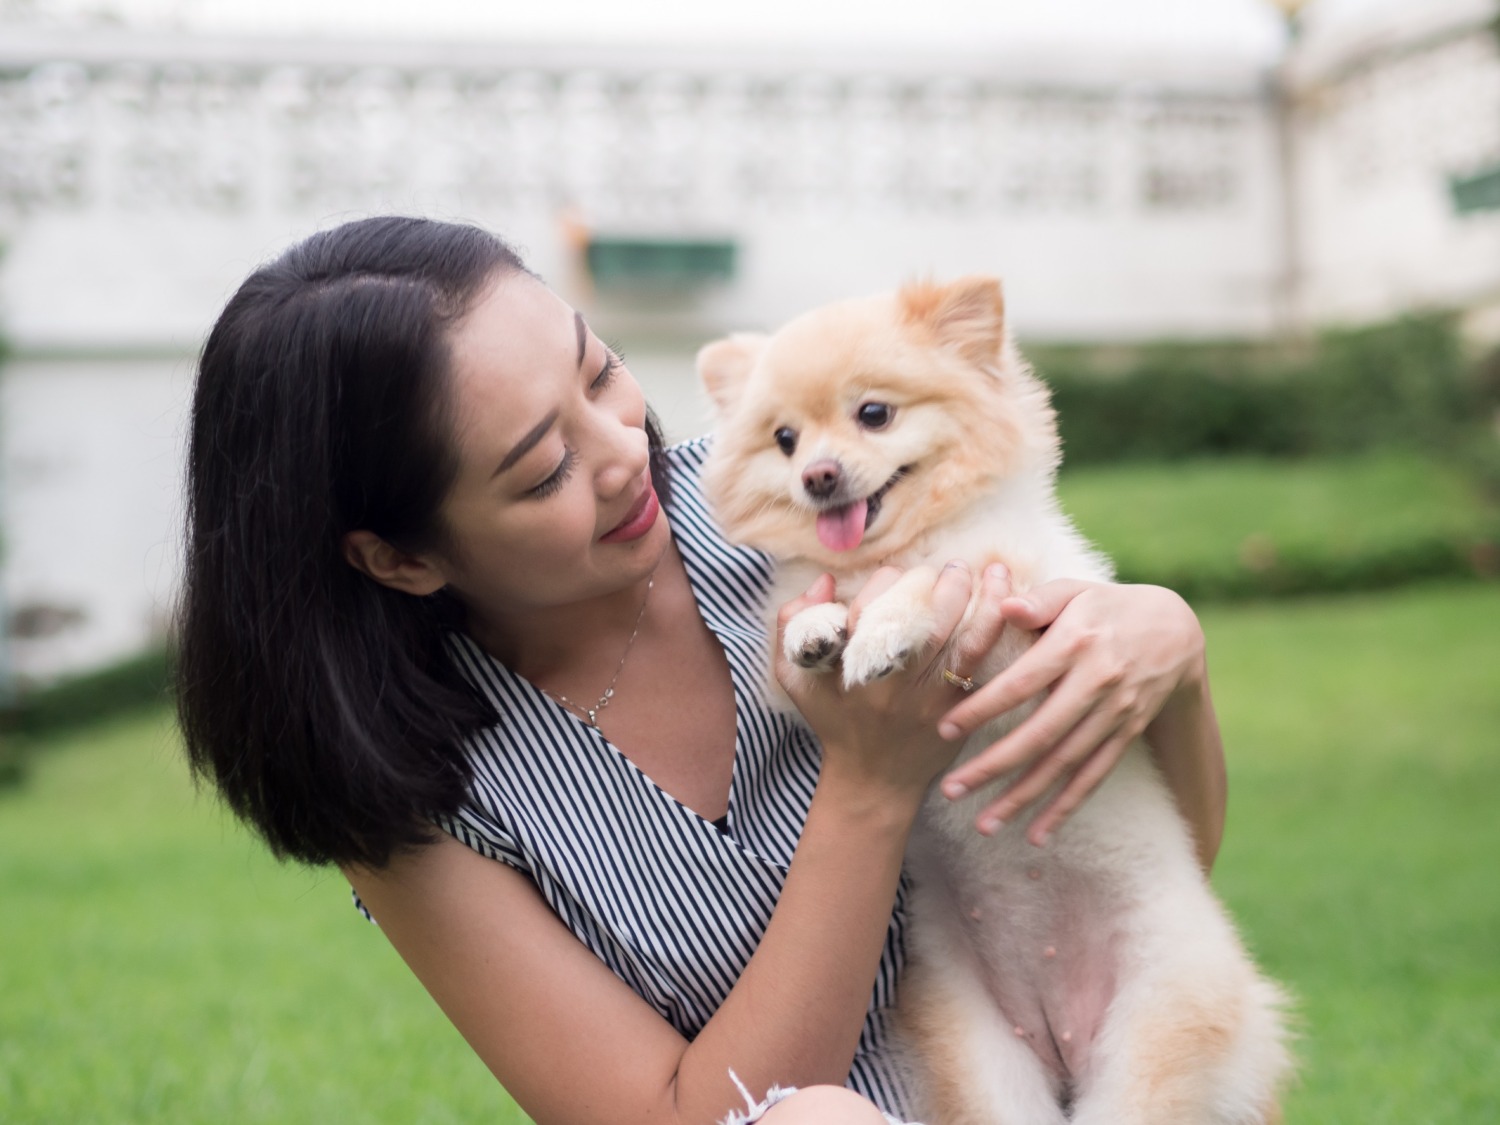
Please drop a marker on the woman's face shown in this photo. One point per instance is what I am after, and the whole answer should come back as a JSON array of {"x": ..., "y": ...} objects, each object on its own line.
[{"x": 553, "y": 503}]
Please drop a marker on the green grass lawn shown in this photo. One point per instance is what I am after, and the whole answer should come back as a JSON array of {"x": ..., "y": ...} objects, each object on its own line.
[
  {"x": 156, "y": 965},
  {"x": 1362, "y": 853},
  {"x": 1238, "y": 527}
]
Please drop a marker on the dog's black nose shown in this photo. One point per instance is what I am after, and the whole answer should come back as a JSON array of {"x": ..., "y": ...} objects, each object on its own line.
[{"x": 821, "y": 478}]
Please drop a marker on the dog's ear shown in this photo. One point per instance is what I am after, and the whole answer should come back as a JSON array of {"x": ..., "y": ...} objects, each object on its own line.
[
  {"x": 967, "y": 316},
  {"x": 724, "y": 365}
]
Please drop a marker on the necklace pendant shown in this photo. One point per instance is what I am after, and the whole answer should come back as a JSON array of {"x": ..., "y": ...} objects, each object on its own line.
[{"x": 594, "y": 719}]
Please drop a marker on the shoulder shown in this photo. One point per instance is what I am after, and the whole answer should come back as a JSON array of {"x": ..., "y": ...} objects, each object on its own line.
[
  {"x": 686, "y": 458},
  {"x": 687, "y": 505},
  {"x": 693, "y": 523}
]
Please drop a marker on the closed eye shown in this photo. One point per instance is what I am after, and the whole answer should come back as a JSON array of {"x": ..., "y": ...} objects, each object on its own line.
[
  {"x": 558, "y": 478},
  {"x": 613, "y": 361}
]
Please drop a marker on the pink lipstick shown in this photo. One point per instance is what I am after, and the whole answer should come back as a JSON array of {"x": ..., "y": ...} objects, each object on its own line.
[{"x": 639, "y": 520}]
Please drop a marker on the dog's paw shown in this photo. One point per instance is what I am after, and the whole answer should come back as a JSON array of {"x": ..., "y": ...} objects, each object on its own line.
[
  {"x": 884, "y": 643},
  {"x": 815, "y": 638}
]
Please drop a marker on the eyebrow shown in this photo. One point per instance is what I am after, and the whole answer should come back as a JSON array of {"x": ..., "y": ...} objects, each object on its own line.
[
  {"x": 526, "y": 444},
  {"x": 583, "y": 336}
]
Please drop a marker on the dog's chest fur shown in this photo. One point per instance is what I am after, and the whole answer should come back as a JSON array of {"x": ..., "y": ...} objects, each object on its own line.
[{"x": 1007, "y": 896}]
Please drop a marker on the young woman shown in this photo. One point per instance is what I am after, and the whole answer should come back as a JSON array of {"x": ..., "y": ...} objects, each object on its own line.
[{"x": 456, "y": 622}]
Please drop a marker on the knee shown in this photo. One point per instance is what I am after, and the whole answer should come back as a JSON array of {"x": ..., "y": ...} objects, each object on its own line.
[{"x": 824, "y": 1105}]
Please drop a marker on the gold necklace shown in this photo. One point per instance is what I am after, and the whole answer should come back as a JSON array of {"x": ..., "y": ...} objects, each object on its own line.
[{"x": 591, "y": 714}]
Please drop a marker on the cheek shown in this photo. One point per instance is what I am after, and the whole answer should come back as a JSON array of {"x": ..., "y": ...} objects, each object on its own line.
[
  {"x": 528, "y": 557},
  {"x": 771, "y": 476},
  {"x": 558, "y": 529}
]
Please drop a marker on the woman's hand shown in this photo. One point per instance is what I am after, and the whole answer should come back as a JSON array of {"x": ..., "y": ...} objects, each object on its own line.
[
  {"x": 1112, "y": 658},
  {"x": 885, "y": 732}
]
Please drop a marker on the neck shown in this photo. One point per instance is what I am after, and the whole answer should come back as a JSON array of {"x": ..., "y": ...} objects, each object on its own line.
[{"x": 561, "y": 643}]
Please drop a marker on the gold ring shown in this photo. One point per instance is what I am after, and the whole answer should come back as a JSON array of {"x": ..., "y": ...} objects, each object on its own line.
[{"x": 966, "y": 683}]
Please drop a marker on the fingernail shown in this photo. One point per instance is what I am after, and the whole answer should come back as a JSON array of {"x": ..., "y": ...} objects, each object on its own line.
[
  {"x": 953, "y": 790},
  {"x": 1027, "y": 604},
  {"x": 949, "y": 731},
  {"x": 996, "y": 572},
  {"x": 990, "y": 825},
  {"x": 957, "y": 564}
]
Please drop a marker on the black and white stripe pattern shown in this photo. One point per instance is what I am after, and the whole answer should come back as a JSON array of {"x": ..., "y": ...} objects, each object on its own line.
[{"x": 671, "y": 904}]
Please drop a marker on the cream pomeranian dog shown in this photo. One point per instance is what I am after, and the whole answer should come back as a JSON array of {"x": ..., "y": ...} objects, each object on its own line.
[{"x": 1096, "y": 981}]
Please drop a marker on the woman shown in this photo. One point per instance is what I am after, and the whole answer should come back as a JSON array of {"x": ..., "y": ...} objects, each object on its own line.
[{"x": 441, "y": 573}]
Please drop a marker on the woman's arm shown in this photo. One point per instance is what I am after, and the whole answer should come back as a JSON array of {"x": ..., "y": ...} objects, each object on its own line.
[
  {"x": 1118, "y": 662},
  {"x": 573, "y": 1044}
]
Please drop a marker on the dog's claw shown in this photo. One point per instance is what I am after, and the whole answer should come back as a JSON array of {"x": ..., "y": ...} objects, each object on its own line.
[
  {"x": 815, "y": 638},
  {"x": 821, "y": 652}
]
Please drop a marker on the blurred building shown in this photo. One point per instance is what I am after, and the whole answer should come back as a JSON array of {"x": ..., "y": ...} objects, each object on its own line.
[
  {"x": 1396, "y": 164},
  {"x": 676, "y": 194}
]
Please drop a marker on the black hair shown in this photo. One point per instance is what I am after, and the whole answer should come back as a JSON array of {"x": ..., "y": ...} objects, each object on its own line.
[{"x": 322, "y": 704}]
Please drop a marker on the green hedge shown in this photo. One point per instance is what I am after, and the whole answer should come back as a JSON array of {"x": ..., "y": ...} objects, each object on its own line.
[
  {"x": 1233, "y": 528},
  {"x": 1271, "y": 572},
  {"x": 136, "y": 683},
  {"x": 1404, "y": 384}
]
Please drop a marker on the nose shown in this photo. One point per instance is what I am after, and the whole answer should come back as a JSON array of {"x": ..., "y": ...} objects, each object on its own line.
[
  {"x": 624, "y": 455},
  {"x": 628, "y": 455},
  {"x": 821, "y": 478}
]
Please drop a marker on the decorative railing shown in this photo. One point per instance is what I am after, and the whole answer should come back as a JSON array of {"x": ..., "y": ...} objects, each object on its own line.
[{"x": 660, "y": 147}]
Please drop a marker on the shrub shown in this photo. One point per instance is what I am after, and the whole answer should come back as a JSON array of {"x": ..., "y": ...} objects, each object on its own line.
[
  {"x": 133, "y": 684},
  {"x": 1402, "y": 384},
  {"x": 1259, "y": 528}
]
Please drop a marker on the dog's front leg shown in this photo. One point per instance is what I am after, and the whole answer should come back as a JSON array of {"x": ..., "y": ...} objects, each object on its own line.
[
  {"x": 815, "y": 638},
  {"x": 892, "y": 628}
]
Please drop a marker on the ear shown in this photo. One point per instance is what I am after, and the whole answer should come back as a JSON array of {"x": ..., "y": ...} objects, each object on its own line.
[
  {"x": 725, "y": 364},
  {"x": 371, "y": 555},
  {"x": 967, "y": 316}
]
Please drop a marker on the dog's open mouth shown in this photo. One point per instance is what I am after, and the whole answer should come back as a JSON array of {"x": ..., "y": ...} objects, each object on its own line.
[{"x": 843, "y": 528}]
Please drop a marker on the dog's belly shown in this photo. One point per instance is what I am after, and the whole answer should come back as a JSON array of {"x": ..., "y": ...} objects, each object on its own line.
[
  {"x": 1042, "y": 938},
  {"x": 1058, "y": 978},
  {"x": 1050, "y": 933}
]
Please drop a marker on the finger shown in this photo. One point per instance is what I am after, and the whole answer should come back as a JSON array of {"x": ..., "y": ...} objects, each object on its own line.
[
  {"x": 950, "y": 598},
  {"x": 1083, "y": 782},
  {"x": 881, "y": 581},
  {"x": 1067, "y": 755},
  {"x": 1040, "y": 605},
  {"x": 1034, "y": 672},
  {"x": 1070, "y": 704},
  {"x": 982, "y": 633}
]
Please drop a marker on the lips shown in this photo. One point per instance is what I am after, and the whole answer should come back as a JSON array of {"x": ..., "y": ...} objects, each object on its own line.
[
  {"x": 638, "y": 520},
  {"x": 843, "y": 528}
]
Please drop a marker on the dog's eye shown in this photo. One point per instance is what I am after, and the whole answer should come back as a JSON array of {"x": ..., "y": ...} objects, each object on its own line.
[
  {"x": 875, "y": 415},
  {"x": 786, "y": 438}
]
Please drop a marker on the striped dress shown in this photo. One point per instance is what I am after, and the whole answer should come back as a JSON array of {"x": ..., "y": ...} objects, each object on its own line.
[{"x": 672, "y": 903}]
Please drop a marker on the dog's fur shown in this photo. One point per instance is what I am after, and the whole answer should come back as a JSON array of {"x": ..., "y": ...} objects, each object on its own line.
[{"x": 1095, "y": 981}]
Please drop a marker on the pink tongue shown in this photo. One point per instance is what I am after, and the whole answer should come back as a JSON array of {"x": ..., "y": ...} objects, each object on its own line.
[{"x": 842, "y": 528}]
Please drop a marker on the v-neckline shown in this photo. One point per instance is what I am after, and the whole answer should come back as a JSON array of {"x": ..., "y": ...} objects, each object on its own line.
[{"x": 717, "y": 627}]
